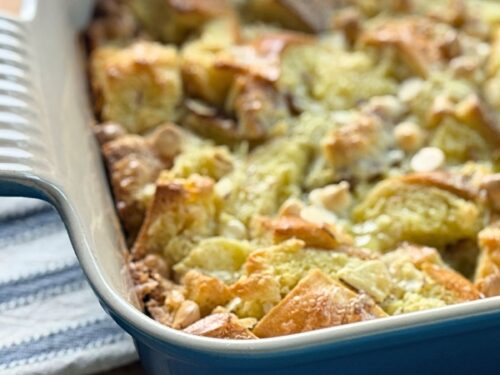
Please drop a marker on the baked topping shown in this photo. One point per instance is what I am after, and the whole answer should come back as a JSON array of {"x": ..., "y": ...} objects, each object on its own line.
[{"x": 284, "y": 166}]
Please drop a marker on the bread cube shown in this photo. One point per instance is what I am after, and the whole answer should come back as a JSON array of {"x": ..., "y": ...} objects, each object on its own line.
[
  {"x": 416, "y": 210},
  {"x": 218, "y": 256},
  {"x": 183, "y": 212},
  {"x": 207, "y": 291},
  {"x": 487, "y": 276},
  {"x": 423, "y": 44},
  {"x": 202, "y": 78},
  {"x": 133, "y": 167},
  {"x": 138, "y": 87},
  {"x": 172, "y": 21},
  {"x": 317, "y": 302}
]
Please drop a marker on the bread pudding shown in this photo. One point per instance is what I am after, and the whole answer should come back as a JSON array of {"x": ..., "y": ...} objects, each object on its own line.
[{"x": 284, "y": 166}]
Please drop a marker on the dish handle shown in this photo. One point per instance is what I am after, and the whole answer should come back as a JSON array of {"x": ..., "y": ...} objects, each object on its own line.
[{"x": 25, "y": 167}]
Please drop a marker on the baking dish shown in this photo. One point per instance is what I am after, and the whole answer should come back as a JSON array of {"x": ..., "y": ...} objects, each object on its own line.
[{"x": 47, "y": 150}]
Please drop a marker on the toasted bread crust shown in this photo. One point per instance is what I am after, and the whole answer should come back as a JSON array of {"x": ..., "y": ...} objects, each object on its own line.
[
  {"x": 462, "y": 288},
  {"x": 454, "y": 183},
  {"x": 132, "y": 165},
  {"x": 316, "y": 302},
  {"x": 475, "y": 112},
  {"x": 222, "y": 326},
  {"x": 422, "y": 44},
  {"x": 208, "y": 292},
  {"x": 139, "y": 87},
  {"x": 170, "y": 213},
  {"x": 487, "y": 277},
  {"x": 312, "y": 234},
  {"x": 346, "y": 145},
  {"x": 261, "y": 58}
]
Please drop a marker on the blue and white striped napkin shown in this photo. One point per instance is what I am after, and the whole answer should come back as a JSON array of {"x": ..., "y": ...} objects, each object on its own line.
[{"x": 50, "y": 321}]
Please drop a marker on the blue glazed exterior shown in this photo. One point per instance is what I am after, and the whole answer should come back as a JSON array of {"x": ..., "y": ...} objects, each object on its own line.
[{"x": 460, "y": 346}]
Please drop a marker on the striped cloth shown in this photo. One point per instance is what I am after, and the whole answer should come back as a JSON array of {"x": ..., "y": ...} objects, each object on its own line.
[{"x": 50, "y": 321}]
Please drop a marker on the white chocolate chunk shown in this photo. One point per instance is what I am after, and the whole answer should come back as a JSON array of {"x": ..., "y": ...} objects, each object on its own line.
[{"x": 408, "y": 135}]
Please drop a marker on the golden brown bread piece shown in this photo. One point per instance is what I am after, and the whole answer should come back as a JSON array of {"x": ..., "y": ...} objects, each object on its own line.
[
  {"x": 423, "y": 44},
  {"x": 172, "y": 21},
  {"x": 182, "y": 212},
  {"x": 202, "y": 79},
  {"x": 132, "y": 166},
  {"x": 461, "y": 288},
  {"x": 139, "y": 86},
  {"x": 487, "y": 277},
  {"x": 253, "y": 108},
  {"x": 352, "y": 142},
  {"x": 222, "y": 326},
  {"x": 258, "y": 292},
  {"x": 317, "y": 302},
  {"x": 261, "y": 57},
  {"x": 489, "y": 285},
  {"x": 455, "y": 287},
  {"x": 475, "y": 112},
  {"x": 207, "y": 291},
  {"x": 134, "y": 163},
  {"x": 425, "y": 211},
  {"x": 257, "y": 106},
  {"x": 420, "y": 254},
  {"x": 313, "y": 235}
]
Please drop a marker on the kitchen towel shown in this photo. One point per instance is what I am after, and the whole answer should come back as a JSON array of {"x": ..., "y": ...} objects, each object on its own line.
[{"x": 50, "y": 320}]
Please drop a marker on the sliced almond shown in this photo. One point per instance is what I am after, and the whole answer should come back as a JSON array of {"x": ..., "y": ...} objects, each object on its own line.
[
  {"x": 187, "y": 314},
  {"x": 221, "y": 325},
  {"x": 335, "y": 198},
  {"x": 428, "y": 159},
  {"x": 410, "y": 89},
  {"x": 291, "y": 207},
  {"x": 318, "y": 215}
]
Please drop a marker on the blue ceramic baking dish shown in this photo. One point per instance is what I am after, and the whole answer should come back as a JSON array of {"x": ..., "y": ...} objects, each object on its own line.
[{"x": 47, "y": 150}]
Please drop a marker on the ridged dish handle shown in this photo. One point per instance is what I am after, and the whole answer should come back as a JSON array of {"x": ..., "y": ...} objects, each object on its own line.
[{"x": 25, "y": 159}]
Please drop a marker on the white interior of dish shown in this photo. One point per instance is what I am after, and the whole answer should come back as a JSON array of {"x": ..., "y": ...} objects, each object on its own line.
[{"x": 72, "y": 174}]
